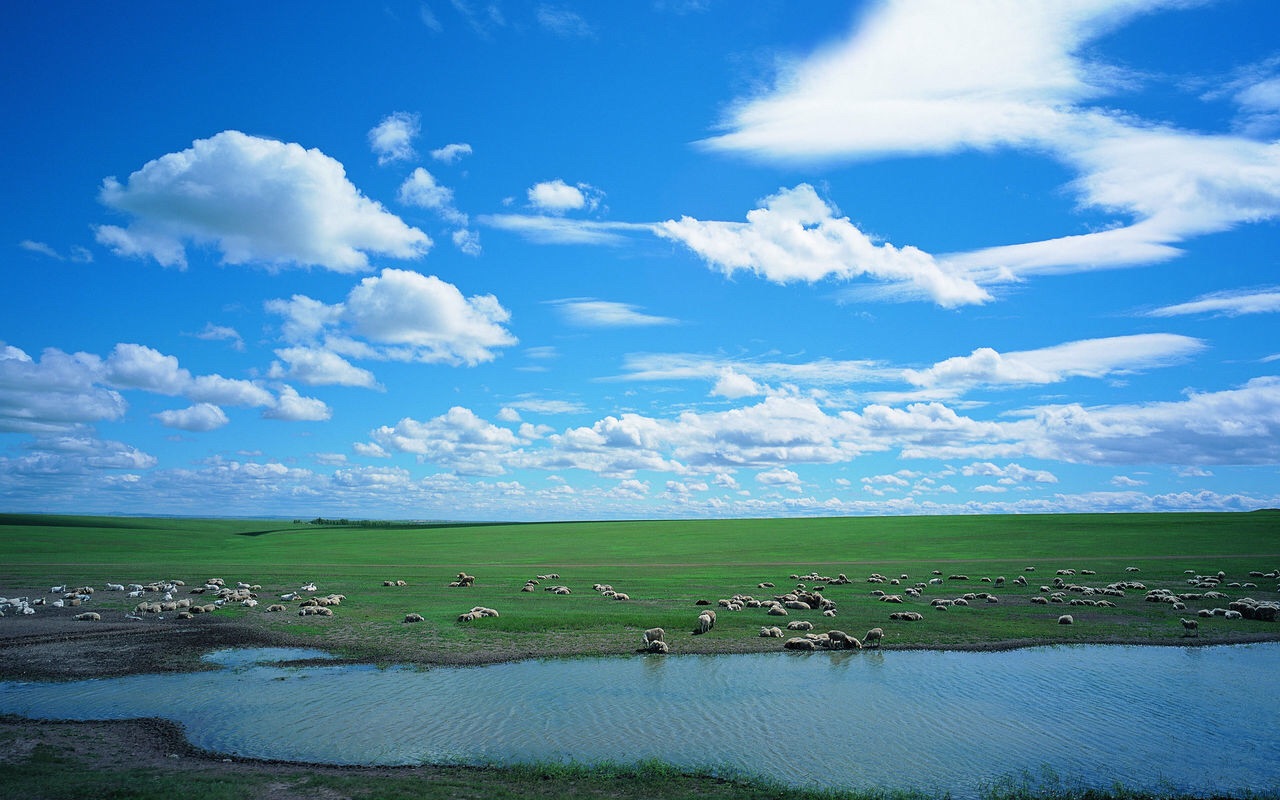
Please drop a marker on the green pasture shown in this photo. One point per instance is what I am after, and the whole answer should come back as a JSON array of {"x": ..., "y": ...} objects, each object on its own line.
[{"x": 665, "y": 567}]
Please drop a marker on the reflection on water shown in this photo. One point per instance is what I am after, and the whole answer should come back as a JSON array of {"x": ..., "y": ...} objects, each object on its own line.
[{"x": 1193, "y": 719}]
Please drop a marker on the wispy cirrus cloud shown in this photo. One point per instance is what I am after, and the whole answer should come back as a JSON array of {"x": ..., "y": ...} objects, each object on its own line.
[
  {"x": 1230, "y": 303},
  {"x": 933, "y": 77},
  {"x": 591, "y": 313}
]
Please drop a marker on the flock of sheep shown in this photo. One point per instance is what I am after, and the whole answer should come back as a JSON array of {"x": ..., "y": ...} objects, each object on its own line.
[
  {"x": 1068, "y": 587},
  {"x": 172, "y": 597}
]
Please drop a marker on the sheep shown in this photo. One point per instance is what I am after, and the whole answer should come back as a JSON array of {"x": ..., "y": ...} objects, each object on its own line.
[
  {"x": 317, "y": 611},
  {"x": 1066, "y": 619},
  {"x": 799, "y": 625},
  {"x": 413, "y": 618},
  {"x": 777, "y": 611},
  {"x": 800, "y": 643},
  {"x": 115, "y": 587},
  {"x": 839, "y": 640},
  {"x": 874, "y": 635},
  {"x": 657, "y": 646},
  {"x": 771, "y": 632},
  {"x": 271, "y": 609},
  {"x": 88, "y": 616},
  {"x": 706, "y": 621},
  {"x": 1189, "y": 625},
  {"x": 654, "y": 635}
]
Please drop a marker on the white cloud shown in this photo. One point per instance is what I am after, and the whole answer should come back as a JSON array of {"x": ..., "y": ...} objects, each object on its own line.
[
  {"x": 734, "y": 385},
  {"x": 934, "y": 76},
  {"x": 56, "y": 393},
  {"x": 228, "y": 392},
  {"x": 293, "y": 407},
  {"x": 1093, "y": 358},
  {"x": 563, "y": 22},
  {"x": 693, "y": 366},
  {"x": 78, "y": 254},
  {"x": 400, "y": 315},
  {"x": 457, "y": 440},
  {"x": 558, "y": 197},
  {"x": 201, "y": 417},
  {"x": 558, "y": 230},
  {"x": 258, "y": 201},
  {"x": 796, "y": 236},
  {"x": 1009, "y": 474},
  {"x": 451, "y": 153},
  {"x": 221, "y": 333},
  {"x": 467, "y": 241},
  {"x": 392, "y": 138},
  {"x": 1125, "y": 482},
  {"x": 1227, "y": 303},
  {"x": 538, "y": 405},
  {"x": 779, "y": 477},
  {"x": 421, "y": 189},
  {"x": 136, "y": 366},
  {"x": 317, "y": 367},
  {"x": 591, "y": 313}
]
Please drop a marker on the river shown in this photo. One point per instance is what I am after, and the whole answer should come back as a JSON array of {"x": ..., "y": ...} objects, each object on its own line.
[{"x": 1191, "y": 719}]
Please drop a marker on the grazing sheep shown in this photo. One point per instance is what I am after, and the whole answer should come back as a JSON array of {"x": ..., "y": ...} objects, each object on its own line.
[
  {"x": 706, "y": 621},
  {"x": 874, "y": 635},
  {"x": 771, "y": 632},
  {"x": 1066, "y": 619},
  {"x": 657, "y": 646},
  {"x": 88, "y": 616},
  {"x": 654, "y": 635},
  {"x": 413, "y": 618},
  {"x": 1189, "y": 625},
  {"x": 839, "y": 640}
]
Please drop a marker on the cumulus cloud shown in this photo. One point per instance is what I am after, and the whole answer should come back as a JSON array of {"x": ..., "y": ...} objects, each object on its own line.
[
  {"x": 398, "y": 315},
  {"x": 317, "y": 367},
  {"x": 1093, "y": 358},
  {"x": 257, "y": 201},
  {"x": 591, "y": 313},
  {"x": 1009, "y": 474},
  {"x": 293, "y": 407},
  {"x": 457, "y": 440},
  {"x": 558, "y": 197},
  {"x": 201, "y": 417},
  {"x": 56, "y": 393},
  {"x": 421, "y": 189},
  {"x": 796, "y": 236},
  {"x": 734, "y": 385},
  {"x": 451, "y": 153},
  {"x": 392, "y": 138},
  {"x": 1227, "y": 303}
]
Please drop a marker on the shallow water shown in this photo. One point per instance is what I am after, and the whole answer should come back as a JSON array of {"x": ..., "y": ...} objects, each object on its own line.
[{"x": 1190, "y": 719}]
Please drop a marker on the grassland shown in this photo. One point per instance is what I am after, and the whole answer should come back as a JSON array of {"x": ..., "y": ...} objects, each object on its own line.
[{"x": 665, "y": 567}]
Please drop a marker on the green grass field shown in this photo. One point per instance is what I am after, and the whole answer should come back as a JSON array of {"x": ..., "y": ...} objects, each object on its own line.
[{"x": 664, "y": 567}]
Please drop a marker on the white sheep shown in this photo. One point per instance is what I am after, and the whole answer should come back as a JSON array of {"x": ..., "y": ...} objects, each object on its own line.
[
  {"x": 874, "y": 635},
  {"x": 799, "y": 625},
  {"x": 654, "y": 635},
  {"x": 1189, "y": 625},
  {"x": 1066, "y": 619},
  {"x": 706, "y": 621},
  {"x": 771, "y": 632}
]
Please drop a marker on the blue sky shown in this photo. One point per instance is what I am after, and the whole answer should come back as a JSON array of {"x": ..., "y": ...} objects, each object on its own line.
[{"x": 469, "y": 260}]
